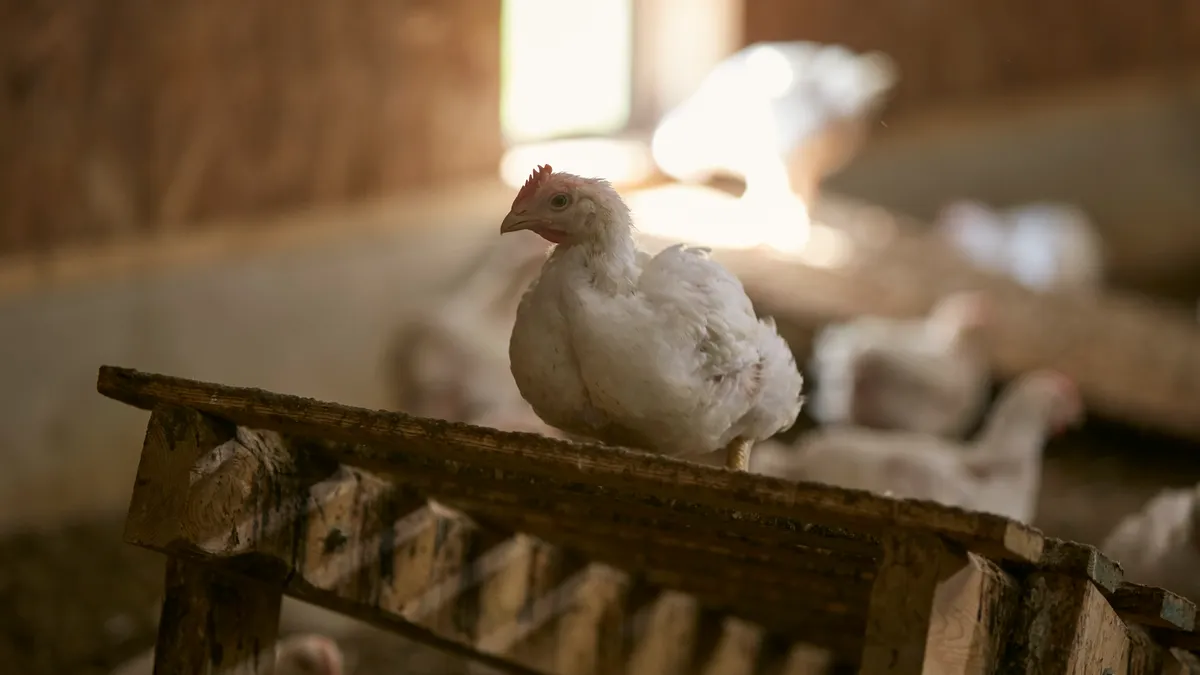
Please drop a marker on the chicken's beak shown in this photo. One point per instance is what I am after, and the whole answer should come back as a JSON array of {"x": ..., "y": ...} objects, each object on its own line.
[{"x": 515, "y": 222}]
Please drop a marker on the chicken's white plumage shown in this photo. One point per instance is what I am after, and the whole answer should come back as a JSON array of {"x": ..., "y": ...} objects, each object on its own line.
[
  {"x": 663, "y": 353},
  {"x": 1159, "y": 545},
  {"x": 998, "y": 472}
]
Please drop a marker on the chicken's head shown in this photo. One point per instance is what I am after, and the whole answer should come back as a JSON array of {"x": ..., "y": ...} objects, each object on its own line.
[{"x": 566, "y": 209}]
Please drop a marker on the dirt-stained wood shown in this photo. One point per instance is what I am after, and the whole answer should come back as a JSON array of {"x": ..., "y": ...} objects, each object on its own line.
[
  {"x": 440, "y": 457},
  {"x": 214, "y": 622},
  {"x": 1082, "y": 561},
  {"x": 973, "y": 613},
  {"x": 275, "y": 509},
  {"x": 902, "y": 602},
  {"x": 1065, "y": 626},
  {"x": 1134, "y": 360},
  {"x": 1151, "y": 606},
  {"x": 1145, "y": 656}
]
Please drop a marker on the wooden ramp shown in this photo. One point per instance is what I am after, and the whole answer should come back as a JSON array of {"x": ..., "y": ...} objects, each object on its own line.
[
  {"x": 546, "y": 556},
  {"x": 1134, "y": 360}
]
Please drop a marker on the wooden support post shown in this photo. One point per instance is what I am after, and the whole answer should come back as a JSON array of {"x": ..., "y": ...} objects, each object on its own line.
[
  {"x": 214, "y": 622},
  {"x": 1178, "y": 661},
  {"x": 667, "y": 644},
  {"x": 902, "y": 602},
  {"x": 737, "y": 649},
  {"x": 973, "y": 615},
  {"x": 1066, "y": 626}
]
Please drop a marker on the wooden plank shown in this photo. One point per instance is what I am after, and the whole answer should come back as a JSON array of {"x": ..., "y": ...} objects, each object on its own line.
[
  {"x": 334, "y": 537},
  {"x": 902, "y": 602},
  {"x": 1153, "y": 606},
  {"x": 1066, "y": 626},
  {"x": 736, "y": 652},
  {"x": 973, "y": 613},
  {"x": 343, "y": 539},
  {"x": 666, "y": 645},
  {"x": 1145, "y": 656},
  {"x": 377, "y": 441},
  {"x": 214, "y": 622},
  {"x": 1082, "y": 561}
]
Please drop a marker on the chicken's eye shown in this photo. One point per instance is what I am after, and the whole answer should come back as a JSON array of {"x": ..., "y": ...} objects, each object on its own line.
[{"x": 560, "y": 201}]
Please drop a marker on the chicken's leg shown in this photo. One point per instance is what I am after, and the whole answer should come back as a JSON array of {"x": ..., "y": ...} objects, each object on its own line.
[{"x": 737, "y": 454}]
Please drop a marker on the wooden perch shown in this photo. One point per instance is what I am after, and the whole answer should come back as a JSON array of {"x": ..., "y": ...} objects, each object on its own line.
[
  {"x": 535, "y": 473},
  {"x": 268, "y": 508},
  {"x": 1134, "y": 360},
  {"x": 591, "y": 560}
]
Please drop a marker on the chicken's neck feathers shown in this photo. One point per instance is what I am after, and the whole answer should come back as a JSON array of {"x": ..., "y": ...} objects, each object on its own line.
[
  {"x": 608, "y": 259},
  {"x": 1016, "y": 428}
]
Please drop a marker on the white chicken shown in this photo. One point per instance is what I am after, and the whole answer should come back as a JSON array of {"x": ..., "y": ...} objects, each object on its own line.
[
  {"x": 307, "y": 654},
  {"x": 1160, "y": 544},
  {"x": 1044, "y": 246},
  {"x": 451, "y": 361},
  {"x": 661, "y": 353},
  {"x": 998, "y": 472},
  {"x": 927, "y": 374}
]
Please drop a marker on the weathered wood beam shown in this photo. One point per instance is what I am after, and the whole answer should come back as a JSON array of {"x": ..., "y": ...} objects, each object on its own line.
[
  {"x": 1156, "y": 607},
  {"x": 973, "y": 614},
  {"x": 1082, "y": 561},
  {"x": 250, "y": 501},
  {"x": 214, "y": 622},
  {"x": 394, "y": 444},
  {"x": 1066, "y": 626}
]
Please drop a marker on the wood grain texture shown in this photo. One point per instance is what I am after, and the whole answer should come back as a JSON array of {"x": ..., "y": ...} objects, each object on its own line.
[
  {"x": 134, "y": 117},
  {"x": 973, "y": 614},
  {"x": 902, "y": 602},
  {"x": 213, "y": 622},
  {"x": 513, "y": 468},
  {"x": 269, "y": 507},
  {"x": 1066, "y": 626},
  {"x": 1151, "y": 606}
]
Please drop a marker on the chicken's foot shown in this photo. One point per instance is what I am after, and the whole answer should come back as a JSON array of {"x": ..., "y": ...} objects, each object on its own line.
[{"x": 737, "y": 454}]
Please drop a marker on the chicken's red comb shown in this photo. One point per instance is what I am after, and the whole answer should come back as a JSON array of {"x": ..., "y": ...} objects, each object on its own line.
[{"x": 536, "y": 178}]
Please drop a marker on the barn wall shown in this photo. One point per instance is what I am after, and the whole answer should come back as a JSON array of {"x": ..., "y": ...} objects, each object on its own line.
[
  {"x": 131, "y": 115},
  {"x": 955, "y": 50}
]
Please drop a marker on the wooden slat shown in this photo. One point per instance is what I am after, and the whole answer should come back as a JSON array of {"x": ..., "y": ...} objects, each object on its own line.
[
  {"x": 1155, "y": 607},
  {"x": 1065, "y": 626},
  {"x": 973, "y": 613},
  {"x": 381, "y": 439},
  {"x": 344, "y": 539},
  {"x": 216, "y": 623},
  {"x": 902, "y": 603},
  {"x": 1082, "y": 562}
]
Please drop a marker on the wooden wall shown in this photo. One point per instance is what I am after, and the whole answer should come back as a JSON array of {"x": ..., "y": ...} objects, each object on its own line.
[
  {"x": 135, "y": 115},
  {"x": 950, "y": 49}
]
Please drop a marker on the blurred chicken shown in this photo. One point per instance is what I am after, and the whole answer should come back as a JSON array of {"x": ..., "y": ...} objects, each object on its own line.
[
  {"x": 1044, "y": 246},
  {"x": 665, "y": 354},
  {"x": 307, "y": 654},
  {"x": 999, "y": 472},
  {"x": 1160, "y": 544},
  {"x": 927, "y": 375},
  {"x": 451, "y": 361},
  {"x": 776, "y": 113}
]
